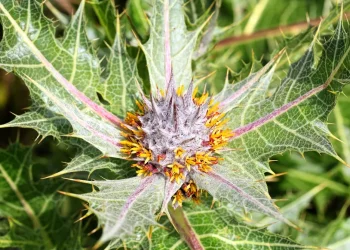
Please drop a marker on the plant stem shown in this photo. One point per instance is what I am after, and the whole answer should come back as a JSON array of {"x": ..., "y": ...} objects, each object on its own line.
[
  {"x": 294, "y": 28},
  {"x": 183, "y": 227},
  {"x": 267, "y": 33}
]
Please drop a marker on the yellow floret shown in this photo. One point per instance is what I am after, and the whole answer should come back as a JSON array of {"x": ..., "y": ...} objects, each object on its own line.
[
  {"x": 179, "y": 152},
  {"x": 180, "y": 90}
]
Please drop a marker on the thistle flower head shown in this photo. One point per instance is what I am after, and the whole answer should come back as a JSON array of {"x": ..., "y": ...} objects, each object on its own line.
[
  {"x": 173, "y": 133},
  {"x": 177, "y": 138}
]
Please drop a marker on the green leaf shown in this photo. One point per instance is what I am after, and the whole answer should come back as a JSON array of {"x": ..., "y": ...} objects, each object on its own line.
[
  {"x": 89, "y": 159},
  {"x": 61, "y": 75},
  {"x": 64, "y": 76},
  {"x": 138, "y": 17},
  {"x": 239, "y": 187},
  {"x": 299, "y": 107},
  {"x": 342, "y": 130},
  {"x": 121, "y": 83},
  {"x": 293, "y": 208},
  {"x": 123, "y": 205},
  {"x": 20, "y": 236},
  {"x": 210, "y": 228},
  {"x": 169, "y": 45},
  {"x": 340, "y": 239},
  {"x": 32, "y": 207},
  {"x": 106, "y": 14},
  {"x": 44, "y": 121},
  {"x": 292, "y": 119}
]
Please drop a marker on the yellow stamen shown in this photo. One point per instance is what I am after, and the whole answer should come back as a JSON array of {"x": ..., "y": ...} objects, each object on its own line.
[
  {"x": 205, "y": 168},
  {"x": 202, "y": 99},
  {"x": 143, "y": 170},
  {"x": 176, "y": 172},
  {"x": 219, "y": 138},
  {"x": 204, "y": 161},
  {"x": 145, "y": 154},
  {"x": 128, "y": 143},
  {"x": 214, "y": 120},
  {"x": 190, "y": 161},
  {"x": 194, "y": 93},
  {"x": 190, "y": 188},
  {"x": 180, "y": 90},
  {"x": 196, "y": 198},
  {"x": 140, "y": 106},
  {"x": 212, "y": 108},
  {"x": 179, "y": 152},
  {"x": 178, "y": 198},
  {"x": 222, "y": 123},
  {"x": 131, "y": 118}
]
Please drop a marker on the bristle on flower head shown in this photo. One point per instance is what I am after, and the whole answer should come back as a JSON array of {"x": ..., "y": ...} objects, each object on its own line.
[{"x": 174, "y": 136}]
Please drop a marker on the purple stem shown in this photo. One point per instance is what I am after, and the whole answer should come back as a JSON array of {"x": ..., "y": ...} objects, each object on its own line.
[{"x": 184, "y": 228}]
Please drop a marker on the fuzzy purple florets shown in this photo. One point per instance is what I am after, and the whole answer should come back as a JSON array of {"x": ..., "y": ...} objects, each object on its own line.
[
  {"x": 174, "y": 122},
  {"x": 173, "y": 134}
]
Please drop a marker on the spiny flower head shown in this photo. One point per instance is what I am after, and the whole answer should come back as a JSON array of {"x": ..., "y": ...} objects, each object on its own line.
[{"x": 173, "y": 133}]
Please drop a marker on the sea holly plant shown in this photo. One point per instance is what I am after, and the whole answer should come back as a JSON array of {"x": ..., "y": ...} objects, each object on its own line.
[{"x": 184, "y": 142}]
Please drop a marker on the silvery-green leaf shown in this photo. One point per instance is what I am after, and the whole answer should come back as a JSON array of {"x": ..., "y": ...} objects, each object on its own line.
[
  {"x": 60, "y": 74},
  {"x": 44, "y": 121},
  {"x": 169, "y": 45},
  {"x": 123, "y": 205},
  {"x": 89, "y": 159},
  {"x": 206, "y": 227},
  {"x": 239, "y": 188},
  {"x": 294, "y": 117},
  {"x": 121, "y": 83}
]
